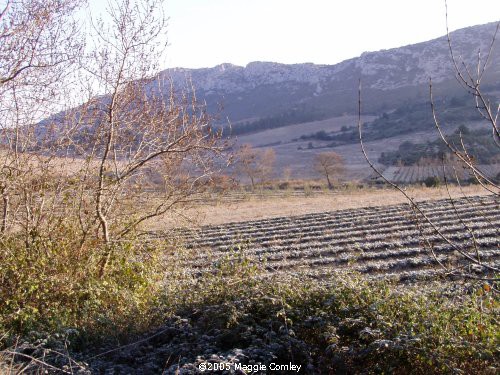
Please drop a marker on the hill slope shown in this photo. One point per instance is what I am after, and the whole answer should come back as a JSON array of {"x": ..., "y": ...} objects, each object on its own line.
[{"x": 390, "y": 77}]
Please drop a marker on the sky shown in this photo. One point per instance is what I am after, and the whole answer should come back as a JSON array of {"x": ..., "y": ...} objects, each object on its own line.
[{"x": 205, "y": 33}]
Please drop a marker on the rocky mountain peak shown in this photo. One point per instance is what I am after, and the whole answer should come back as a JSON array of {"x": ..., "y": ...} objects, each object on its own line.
[{"x": 263, "y": 88}]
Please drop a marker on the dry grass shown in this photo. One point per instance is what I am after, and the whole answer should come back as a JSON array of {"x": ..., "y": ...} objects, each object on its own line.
[
  {"x": 262, "y": 208},
  {"x": 59, "y": 165}
]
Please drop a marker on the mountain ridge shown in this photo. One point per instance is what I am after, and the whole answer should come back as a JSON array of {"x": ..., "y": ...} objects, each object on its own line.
[{"x": 324, "y": 88}]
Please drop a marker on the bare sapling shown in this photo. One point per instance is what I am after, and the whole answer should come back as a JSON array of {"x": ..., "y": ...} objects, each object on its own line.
[
  {"x": 329, "y": 165},
  {"x": 141, "y": 129},
  {"x": 257, "y": 165},
  {"x": 40, "y": 45}
]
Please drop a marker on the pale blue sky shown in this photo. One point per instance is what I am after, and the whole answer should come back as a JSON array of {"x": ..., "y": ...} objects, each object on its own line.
[{"x": 204, "y": 33}]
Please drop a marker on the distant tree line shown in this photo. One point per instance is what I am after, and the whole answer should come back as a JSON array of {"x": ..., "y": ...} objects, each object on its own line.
[
  {"x": 479, "y": 144},
  {"x": 345, "y": 135},
  {"x": 412, "y": 117},
  {"x": 408, "y": 118}
]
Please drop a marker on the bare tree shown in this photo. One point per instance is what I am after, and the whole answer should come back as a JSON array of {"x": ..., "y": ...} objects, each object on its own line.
[
  {"x": 267, "y": 161},
  {"x": 257, "y": 165},
  {"x": 246, "y": 163},
  {"x": 330, "y": 165},
  {"x": 90, "y": 166},
  {"x": 139, "y": 128},
  {"x": 39, "y": 46}
]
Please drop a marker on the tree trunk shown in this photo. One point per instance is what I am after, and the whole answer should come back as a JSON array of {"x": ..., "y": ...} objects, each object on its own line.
[
  {"x": 5, "y": 213},
  {"x": 107, "y": 253},
  {"x": 330, "y": 186}
]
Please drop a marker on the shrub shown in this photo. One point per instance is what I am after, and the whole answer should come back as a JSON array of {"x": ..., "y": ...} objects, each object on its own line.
[
  {"x": 51, "y": 283},
  {"x": 285, "y": 185},
  {"x": 432, "y": 181}
]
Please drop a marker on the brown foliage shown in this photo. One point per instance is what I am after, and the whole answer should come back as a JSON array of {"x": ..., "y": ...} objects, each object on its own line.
[
  {"x": 330, "y": 165},
  {"x": 257, "y": 165}
]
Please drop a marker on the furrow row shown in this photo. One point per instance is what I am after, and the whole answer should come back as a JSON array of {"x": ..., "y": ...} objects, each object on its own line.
[
  {"x": 297, "y": 239},
  {"x": 334, "y": 224},
  {"x": 380, "y": 242}
]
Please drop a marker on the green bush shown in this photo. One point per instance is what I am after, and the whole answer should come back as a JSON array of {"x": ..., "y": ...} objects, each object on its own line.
[
  {"x": 432, "y": 181},
  {"x": 51, "y": 283}
]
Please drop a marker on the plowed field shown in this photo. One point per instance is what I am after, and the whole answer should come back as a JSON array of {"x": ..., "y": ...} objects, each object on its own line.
[{"x": 378, "y": 241}]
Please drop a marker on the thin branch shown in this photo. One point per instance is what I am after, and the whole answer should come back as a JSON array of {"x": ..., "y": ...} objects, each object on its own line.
[{"x": 410, "y": 199}]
